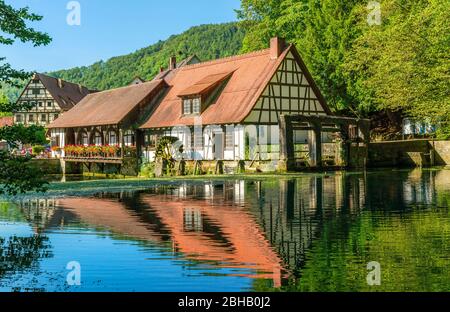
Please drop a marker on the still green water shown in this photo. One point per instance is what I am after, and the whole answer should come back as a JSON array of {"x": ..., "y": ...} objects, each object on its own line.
[{"x": 308, "y": 233}]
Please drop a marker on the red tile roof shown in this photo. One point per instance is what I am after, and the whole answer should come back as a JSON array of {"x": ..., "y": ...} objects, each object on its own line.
[
  {"x": 250, "y": 74},
  {"x": 107, "y": 107},
  {"x": 6, "y": 121},
  {"x": 205, "y": 84}
]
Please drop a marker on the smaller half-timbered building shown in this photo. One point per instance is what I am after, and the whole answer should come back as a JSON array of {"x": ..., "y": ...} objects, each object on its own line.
[
  {"x": 109, "y": 118},
  {"x": 49, "y": 98}
]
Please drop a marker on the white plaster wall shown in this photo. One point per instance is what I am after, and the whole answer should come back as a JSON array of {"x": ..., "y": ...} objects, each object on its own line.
[{"x": 62, "y": 137}]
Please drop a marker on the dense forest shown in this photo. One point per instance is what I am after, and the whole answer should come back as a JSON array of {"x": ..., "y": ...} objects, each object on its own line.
[
  {"x": 206, "y": 41},
  {"x": 367, "y": 56}
]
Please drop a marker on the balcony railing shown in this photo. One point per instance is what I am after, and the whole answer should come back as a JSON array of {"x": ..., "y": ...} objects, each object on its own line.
[{"x": 95, "y": 152}]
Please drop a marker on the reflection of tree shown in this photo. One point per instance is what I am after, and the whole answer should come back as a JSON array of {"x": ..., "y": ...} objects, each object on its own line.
[
  {"x": 18, "y": 254},
  {"x": 382, "y": 219}
]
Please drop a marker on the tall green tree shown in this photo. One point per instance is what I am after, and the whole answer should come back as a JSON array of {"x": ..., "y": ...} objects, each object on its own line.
[
  {"x": 3, "y": 100},
  {"x": 323, "y": 31},
  {"x": 16, "y": 173},
  {"x": 404, "y": 63},
  {"x": 400, "y": 65}
]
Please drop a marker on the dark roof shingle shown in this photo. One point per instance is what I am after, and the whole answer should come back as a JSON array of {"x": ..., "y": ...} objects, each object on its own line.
[{"x": 68, "y": 95}]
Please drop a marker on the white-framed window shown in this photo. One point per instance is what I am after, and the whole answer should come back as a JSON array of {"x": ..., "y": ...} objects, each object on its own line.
[
  {"x": 187, "y": 106},
  {"x": 129, "y": 138},
  {"x": 151, "y": 140},
  {"x": 44, "y": 118},
  {"x": 192, "y": 106},
  {"x": 196, "y": 106},
  {"x": 112, "y": 138},
  {"x": 229, "y": 139},
  {"x": 197, "y": 140},
  {"x": 84, "y": 139},
  {"x": 98, "y": 139}
]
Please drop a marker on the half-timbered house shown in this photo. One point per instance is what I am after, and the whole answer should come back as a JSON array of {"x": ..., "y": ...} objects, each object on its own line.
[
  {"x": 218, "y": 109},
  {"x": 255, "y": 106},
  {"x": 49, "y": 98}
]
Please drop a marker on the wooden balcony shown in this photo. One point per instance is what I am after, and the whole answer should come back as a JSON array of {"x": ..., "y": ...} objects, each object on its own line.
[{"x": 89, "y": 155}]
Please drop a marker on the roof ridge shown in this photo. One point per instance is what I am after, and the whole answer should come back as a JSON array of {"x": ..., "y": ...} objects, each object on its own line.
[
  {"x": 129, "y": 86},
  {"x": 226, "y": 59},
  {"x": 65, "y": 81}
]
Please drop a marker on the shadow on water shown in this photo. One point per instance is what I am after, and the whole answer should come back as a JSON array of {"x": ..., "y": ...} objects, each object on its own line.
[{"x": 312, "y": 233}]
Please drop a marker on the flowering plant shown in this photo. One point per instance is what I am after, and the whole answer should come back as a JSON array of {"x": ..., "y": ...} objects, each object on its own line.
[
  {"x": 110, "y": 150},
  {"x": 91, "y": 151}
]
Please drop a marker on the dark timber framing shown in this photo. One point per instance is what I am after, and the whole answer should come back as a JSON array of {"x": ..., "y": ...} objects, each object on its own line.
[
  {"x": 348, "y": 128},
  {"x": 290, "y": 91}
]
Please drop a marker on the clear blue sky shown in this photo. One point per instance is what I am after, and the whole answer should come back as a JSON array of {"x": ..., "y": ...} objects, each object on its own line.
[{"x": 109, "y": 28}]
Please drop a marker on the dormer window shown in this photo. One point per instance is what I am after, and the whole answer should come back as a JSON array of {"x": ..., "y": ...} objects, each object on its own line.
[
  {"x": 192, "y": 106},
  {"x": 197, "y": 97}
]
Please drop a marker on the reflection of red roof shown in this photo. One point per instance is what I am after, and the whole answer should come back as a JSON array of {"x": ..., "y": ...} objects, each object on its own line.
[
  {"x": 205, "y": 84},
  {"x": 111, "y": 215},
  {"x": 6, "y": 121},
  {"x": 247, "y": 245},
  {"x": 250, "y": 75}
]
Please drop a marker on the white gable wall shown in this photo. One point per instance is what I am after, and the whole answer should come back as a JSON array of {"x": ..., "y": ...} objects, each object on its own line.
[{"x": 288, "y": 92}]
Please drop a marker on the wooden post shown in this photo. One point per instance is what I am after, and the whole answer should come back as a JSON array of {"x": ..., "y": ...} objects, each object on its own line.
[
  {"x": 76, "y": 137},
  {"x": 90, "y": 134},
  {"x": 315, "y": 146},
  {"x": 105, "y": 138},
  {"x": 122, "y": 143},
  {"x": 342, "y": 160},
  {"x": 287, "y": 152},
  {"x": 140, "y": 141}
]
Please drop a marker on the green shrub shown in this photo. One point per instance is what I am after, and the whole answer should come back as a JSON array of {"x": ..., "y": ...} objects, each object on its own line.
[
  {"x": 147, "y": 170},
  {"x": 38, "y": 149},
  {"x": 443, "y": 132}
]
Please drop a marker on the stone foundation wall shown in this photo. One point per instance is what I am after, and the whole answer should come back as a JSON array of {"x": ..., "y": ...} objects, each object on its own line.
[
  {"x": 442, "y": 152},
  {"x": 129, "y": 168},
  {"x": 53, "y": 166},
  {"x": 410, "y": 153}
]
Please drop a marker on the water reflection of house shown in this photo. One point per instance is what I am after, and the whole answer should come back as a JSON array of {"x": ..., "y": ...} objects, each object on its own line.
[
  {"x": 419, "y": 187},
  {"x": 264, "y": 226},
  {"x": 228, "y": 235},
  {"x": 41, "y": 212},
  {"x": 221, "y": 232}
]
